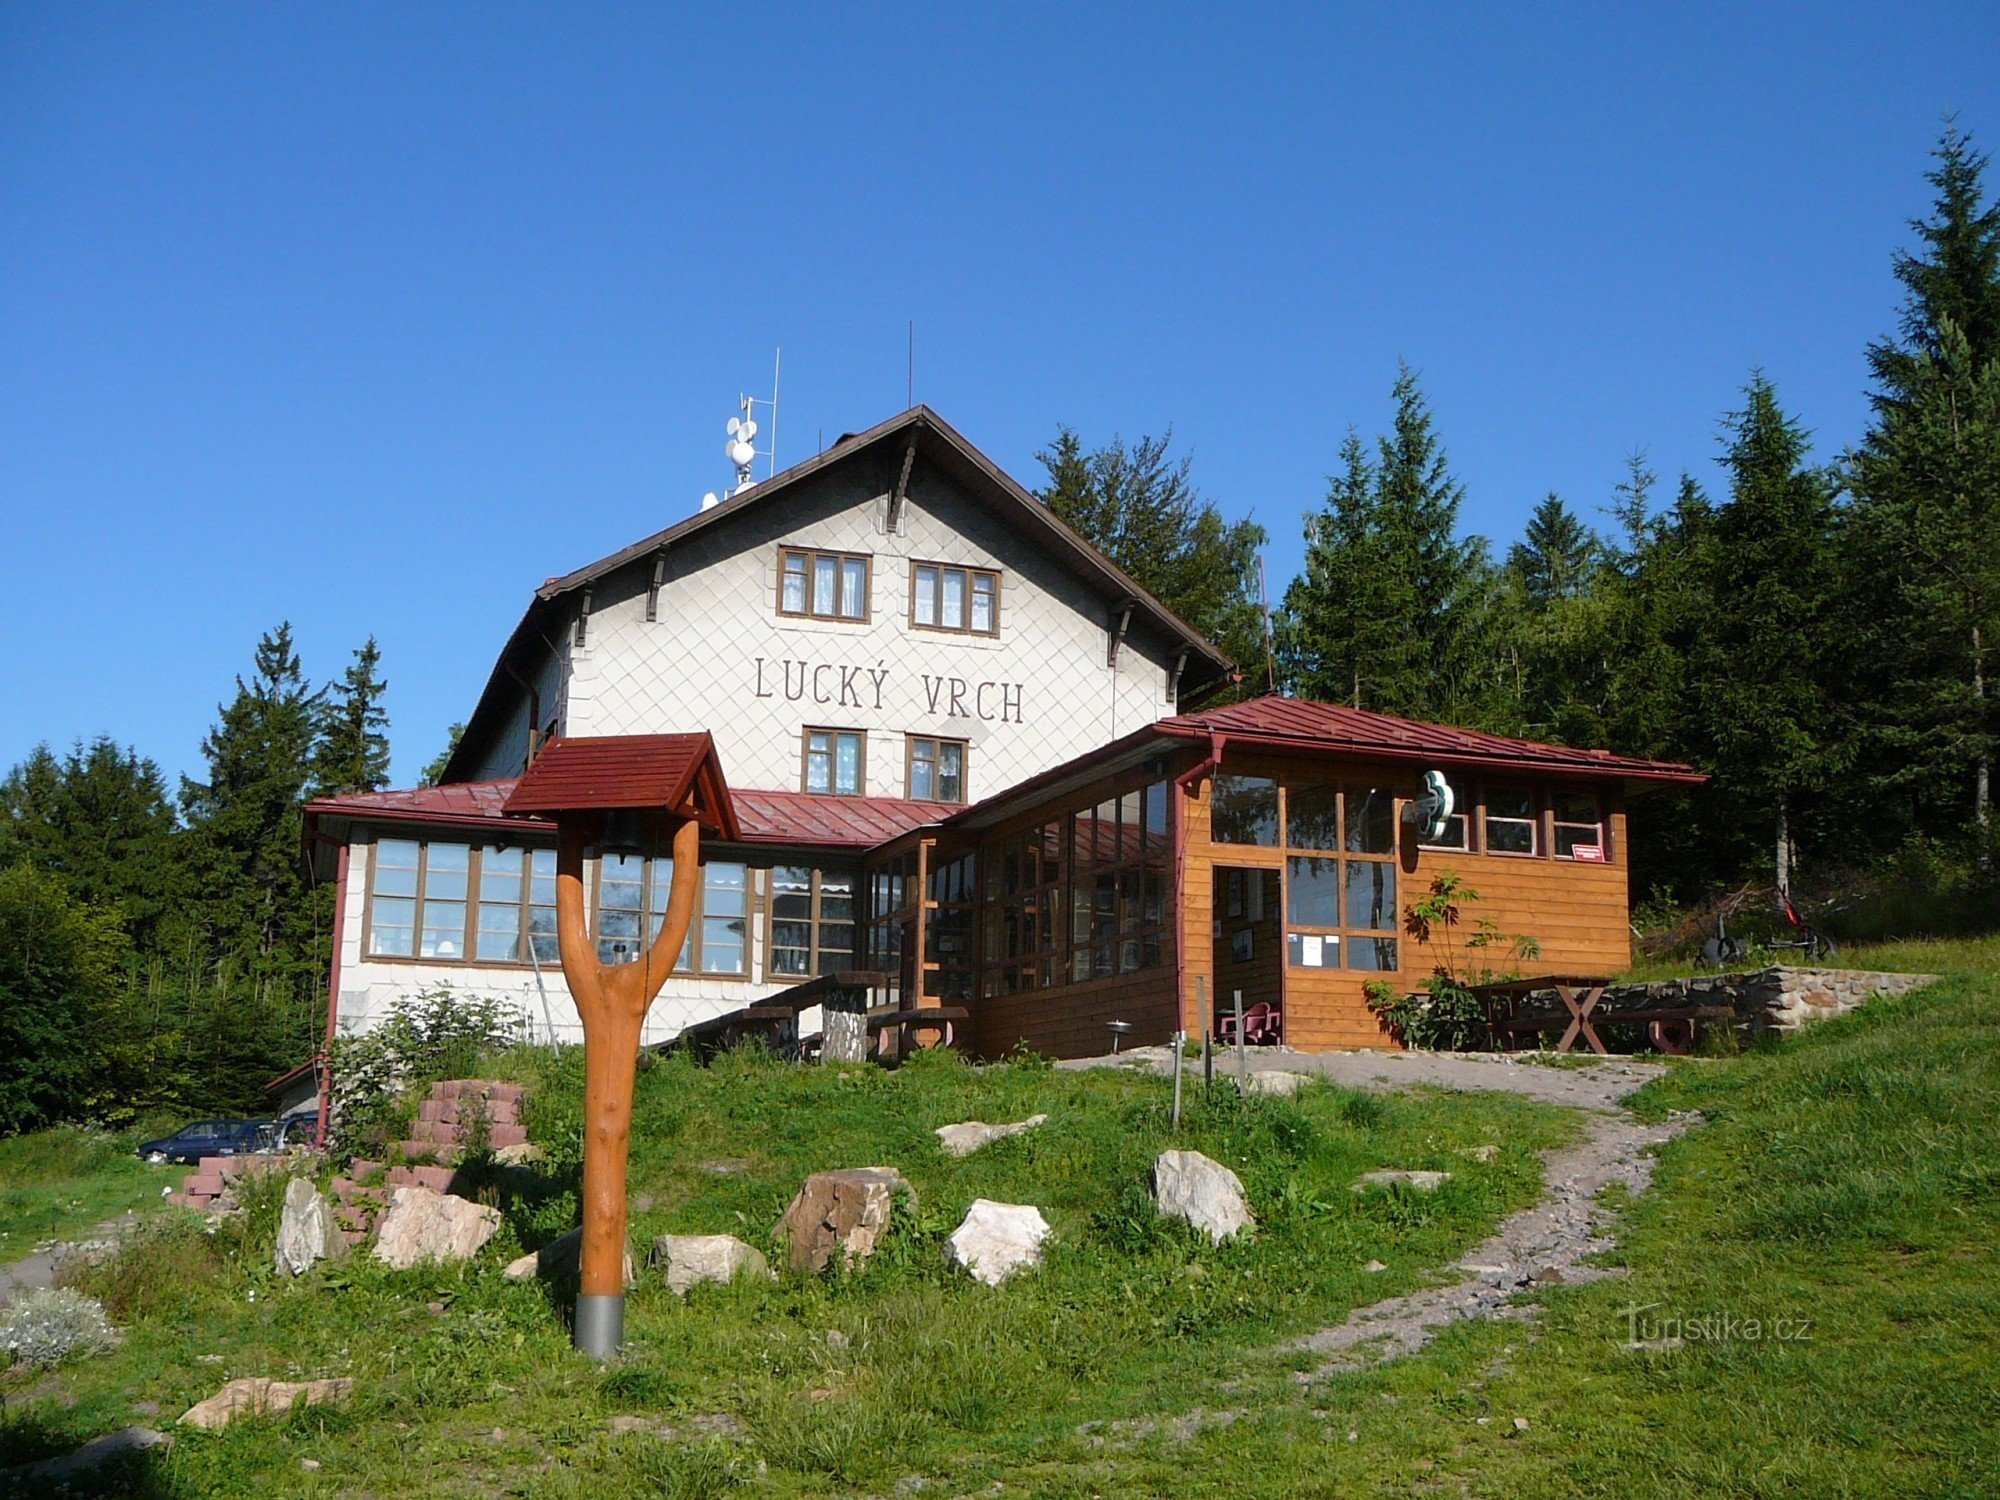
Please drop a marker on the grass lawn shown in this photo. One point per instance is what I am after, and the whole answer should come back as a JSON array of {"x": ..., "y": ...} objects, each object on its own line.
[
  {"x": 806, "y": 1386},
  {"x": 64, "y": 1182},
  {"x": 1843, "y": 1192}
]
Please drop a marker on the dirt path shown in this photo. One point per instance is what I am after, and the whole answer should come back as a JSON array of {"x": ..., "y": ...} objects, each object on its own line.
[
  {"x": 1547, "y": 1243},
  {"x": 38, "y": 1268}
]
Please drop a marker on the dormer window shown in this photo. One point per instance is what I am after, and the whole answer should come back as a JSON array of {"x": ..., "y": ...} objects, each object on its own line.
[
  {"x": 964, "y": 600},
  {"x": 815, "y": 585}
]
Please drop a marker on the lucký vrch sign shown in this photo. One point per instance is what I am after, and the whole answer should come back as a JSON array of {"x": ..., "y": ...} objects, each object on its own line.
[{"x": 834, "y": 685}]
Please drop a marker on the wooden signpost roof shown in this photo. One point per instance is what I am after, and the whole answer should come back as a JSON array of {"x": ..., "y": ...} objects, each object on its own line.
[{"x": 676, "y": 773}]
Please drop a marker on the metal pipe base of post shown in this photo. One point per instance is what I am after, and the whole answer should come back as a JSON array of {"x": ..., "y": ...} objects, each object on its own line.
[{"x": 600, "y": 1325}]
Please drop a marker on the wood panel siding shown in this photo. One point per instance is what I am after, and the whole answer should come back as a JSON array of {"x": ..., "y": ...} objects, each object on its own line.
[{"x": 1577, "y": 913}]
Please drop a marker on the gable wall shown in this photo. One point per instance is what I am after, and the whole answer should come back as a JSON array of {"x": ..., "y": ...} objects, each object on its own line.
[{"x": 717, "y": 656}]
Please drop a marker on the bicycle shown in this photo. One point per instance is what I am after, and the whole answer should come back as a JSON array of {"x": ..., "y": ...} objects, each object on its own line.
[{"x": 1724, "y": 950}]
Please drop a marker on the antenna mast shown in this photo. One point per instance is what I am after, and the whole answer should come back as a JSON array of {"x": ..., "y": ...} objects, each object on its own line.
[{"x": 1270, "y": 651}]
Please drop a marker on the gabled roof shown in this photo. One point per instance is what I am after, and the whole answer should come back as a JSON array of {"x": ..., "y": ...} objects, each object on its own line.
[
  {"x": 920, "y": 431},
  {"x": 1299, "y": 724},
  {"x": 676, "y": 773}
]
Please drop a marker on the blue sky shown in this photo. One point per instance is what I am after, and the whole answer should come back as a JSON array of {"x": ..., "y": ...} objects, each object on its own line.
[{"x": 373, "y": 317}]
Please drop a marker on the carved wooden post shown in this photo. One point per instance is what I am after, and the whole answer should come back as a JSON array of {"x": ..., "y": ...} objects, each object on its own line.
[{"x": 612, "y": 1001}]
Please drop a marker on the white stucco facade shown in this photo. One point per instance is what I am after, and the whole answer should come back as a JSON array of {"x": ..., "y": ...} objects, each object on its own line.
[{"x": 686, "y": 633}]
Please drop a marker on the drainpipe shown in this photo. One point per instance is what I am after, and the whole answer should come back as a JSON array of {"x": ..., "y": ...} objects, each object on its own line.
[
  {"x": 324, "y": 1062},
  {"x": 1184, "y": 783}
]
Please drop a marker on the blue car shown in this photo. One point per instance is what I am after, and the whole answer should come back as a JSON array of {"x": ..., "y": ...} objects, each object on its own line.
[{"x": 213, "y": 1138}]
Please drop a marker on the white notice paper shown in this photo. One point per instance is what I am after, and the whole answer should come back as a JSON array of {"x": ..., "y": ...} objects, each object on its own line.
[{"x": 1313, "y": 947}]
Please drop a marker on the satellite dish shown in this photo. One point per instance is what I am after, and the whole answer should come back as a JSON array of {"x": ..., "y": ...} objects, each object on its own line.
[
  {"x": 734, "y": 424},
  {"x": 1433, "y": 810}
]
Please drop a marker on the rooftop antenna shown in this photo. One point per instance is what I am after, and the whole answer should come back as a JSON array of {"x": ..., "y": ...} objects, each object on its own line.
[
  {"x": 741, "y": 449},
  {"x": 910, "y": 370}
]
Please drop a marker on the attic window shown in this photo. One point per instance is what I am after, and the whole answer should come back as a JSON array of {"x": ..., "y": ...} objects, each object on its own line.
[
  {"x": 964, "y": 600},
  {"x": 822, "y": 585}
]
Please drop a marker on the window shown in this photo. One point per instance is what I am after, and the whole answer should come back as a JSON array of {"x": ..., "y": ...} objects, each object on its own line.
[
  {"x": 1244, "y": 810},
  {"x": 1579, "y": 826},
  {"x": 936, "y": 770},
  {"x": 812, "y": 921},
  {"x": 1340, "y": 899},
  {"x": 948, "y": 933},
  {"x": 1458, "y": 827},
  {"x": 632, "y": 896},
  {"x": 835, "y": 761},
  {"x": 962, "y": 599},
  {"x": 1080, "y": 898},
  {"x": 449, "y": 903},
  {"x": 822, "y": 585},
  {"x": 1510, "y": 821}
]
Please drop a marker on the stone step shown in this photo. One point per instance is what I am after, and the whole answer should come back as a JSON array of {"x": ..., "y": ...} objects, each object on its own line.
[
  {"x": 358, "y": 1169},
  {"x": 204, "y": 1184},
  {"x": 354, "y": 1236},
  {"x": 507, "y": 1135},
  {"x": 438, "y": 1178}
]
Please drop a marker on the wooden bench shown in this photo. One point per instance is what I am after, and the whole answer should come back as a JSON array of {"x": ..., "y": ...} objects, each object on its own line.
[
  {"x": 899, "y": 1025},
  {"x": 1670, "y": 1028},
  {"x": 775, "y": 1018}
]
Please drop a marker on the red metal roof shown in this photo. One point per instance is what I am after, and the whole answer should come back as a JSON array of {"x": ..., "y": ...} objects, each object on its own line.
[
  {"x": 848, "y": 822},
  {"x": 762, "y": 817},
  {"x": 1297, "y": 723},
  {"x": 676, "y": 773}
]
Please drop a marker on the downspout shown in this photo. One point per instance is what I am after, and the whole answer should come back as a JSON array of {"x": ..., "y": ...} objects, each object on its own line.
[
  {"x": 1182, "y": 784},
  {"x": 323, "y": 1064}
]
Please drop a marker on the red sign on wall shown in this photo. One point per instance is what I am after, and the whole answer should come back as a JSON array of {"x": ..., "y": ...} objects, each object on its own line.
[{"x": 1589, "y": 854}]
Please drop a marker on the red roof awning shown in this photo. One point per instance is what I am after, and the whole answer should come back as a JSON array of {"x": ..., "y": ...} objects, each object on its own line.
[{"x": 673, "y": 773}]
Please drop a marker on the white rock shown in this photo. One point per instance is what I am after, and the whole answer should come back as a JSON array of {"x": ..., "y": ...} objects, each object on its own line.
[
  {"x": 520, "y": 1154},
  {"x": 559, "y": 1259},
  {"x": 691, "y": 1259},
  {"x": 1276, "y": 1081},
  {"x": 1188, "y": 1185},
  {"x": 254, "y": 1395},
  {"x": 422, "y": 1224},
  {"x": 1416, "y": 1182},
  {"x": 307, "y": 1231},
  {"x": 997, "y": 1239},
  {"x": 966, "y": 1138}
]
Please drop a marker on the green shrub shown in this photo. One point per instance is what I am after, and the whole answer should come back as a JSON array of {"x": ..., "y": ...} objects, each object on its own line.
[{"x": 50, "y": 1324}]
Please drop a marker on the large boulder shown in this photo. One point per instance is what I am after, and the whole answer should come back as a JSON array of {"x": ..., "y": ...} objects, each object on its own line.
[
  {"x": 256, "y": 1394},
  {"x": 561, "y": 1259},
  {"x": 307, "y": 1230},
  {"x": 966, "y": 1138},
  {"x": 997, "y": 1239},
  {"x": 423, "y": 1224},
  {"x": 69, "y": 1468},
  {"x": 841, "y": 1213},
  {"x": 1188, "y": 1185},
  {"x": 690, "y": 1259}
]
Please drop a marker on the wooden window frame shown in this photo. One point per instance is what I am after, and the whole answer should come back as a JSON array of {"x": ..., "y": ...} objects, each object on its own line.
[
  {"x": 474, "y": 873},
  {"x": 867, "y": 562},
  {"x": 971, "y": 571},
  {"x": 833, "y": 769},
  {"x": 814, "y": 921},
  {"x": 1341, "y": 857},
  {"x": 938, "y": 742},
  {"x": 1536, "y": 820},
  {"x": 693, "y": 943},
  {"x": 1602, "y": 824}
]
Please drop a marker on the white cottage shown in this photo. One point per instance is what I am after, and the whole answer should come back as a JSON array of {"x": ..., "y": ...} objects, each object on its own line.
[{"x": 874, "y": 637}]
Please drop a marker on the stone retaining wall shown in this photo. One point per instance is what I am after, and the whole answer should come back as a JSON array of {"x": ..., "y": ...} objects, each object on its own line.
[{"x": 1778, "y": 999}]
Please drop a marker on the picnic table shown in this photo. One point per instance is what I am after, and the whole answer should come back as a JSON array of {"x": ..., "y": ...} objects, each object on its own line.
[{"x": 1670, "y": 1028}]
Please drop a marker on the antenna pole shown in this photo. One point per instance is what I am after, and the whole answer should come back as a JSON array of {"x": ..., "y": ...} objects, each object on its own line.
[
  {"x": 910, "y": 370},
  {"x": 776, "y": 360}
]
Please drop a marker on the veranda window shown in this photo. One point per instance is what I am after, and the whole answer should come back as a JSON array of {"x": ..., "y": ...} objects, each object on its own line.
[
  {"x": 632, "y": 894},
  {"x": 812, "y": 921},
  {"x": 449, "y": 903},
  {"x": 1341, "y": 896},
  {"x": 1458, "y": 827},
  {"x": 1511, "y": 825},
  {"x": 1578, "y": 827},
  {"x": 1243, "y": 810}
]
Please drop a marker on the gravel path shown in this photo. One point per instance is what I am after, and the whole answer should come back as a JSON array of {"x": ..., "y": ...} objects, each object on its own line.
[
  {"x": 1539, "y": 1246},
  {"x": 39, "y": 1267}
]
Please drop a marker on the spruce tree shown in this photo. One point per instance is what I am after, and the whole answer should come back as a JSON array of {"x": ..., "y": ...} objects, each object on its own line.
[
  {"x": 1927, "y": 516},
  {"x": 1394, "y": 611},
  {"x": 353, "y": 752},
  {"x": 1557, "y": 555},
  {"x": 434, "y": 772},
  {"x": 1137, "y": 504},
  {"x": 244, "y": 819},
  {"x": 1763, "y": 666}
]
